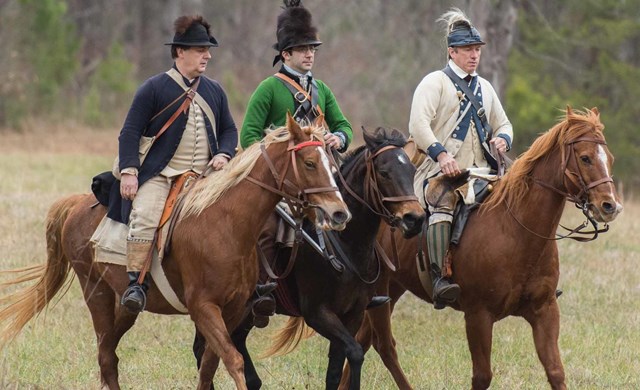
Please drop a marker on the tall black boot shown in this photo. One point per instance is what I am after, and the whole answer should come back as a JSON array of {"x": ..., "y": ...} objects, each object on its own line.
[
  {"x": 135, "y": 296},
  {"x": 438, "y": 237}
]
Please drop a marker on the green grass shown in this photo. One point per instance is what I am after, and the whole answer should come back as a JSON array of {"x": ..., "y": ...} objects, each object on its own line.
[{"x": 600, "y": 315}]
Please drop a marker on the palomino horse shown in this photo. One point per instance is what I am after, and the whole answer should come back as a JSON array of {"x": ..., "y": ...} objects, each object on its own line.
[
  {"x": 212, "y": 264},
  {"x": 507, "y": 260},
  {"x": 377, "y": 185}
]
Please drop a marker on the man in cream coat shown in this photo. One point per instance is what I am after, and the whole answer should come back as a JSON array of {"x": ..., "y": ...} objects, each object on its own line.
[{"x": 446, "y": 125}]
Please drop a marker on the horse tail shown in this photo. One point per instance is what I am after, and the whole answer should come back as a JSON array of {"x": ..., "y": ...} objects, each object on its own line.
[
  {"x": 23, "y": 305},
  {"x": 288, "y": 338}
]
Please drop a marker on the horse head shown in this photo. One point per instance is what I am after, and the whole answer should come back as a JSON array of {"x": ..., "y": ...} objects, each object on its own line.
[
  {"x": 588, "y": 165},
  {"x": 389, "y": 180},
  {"x": 311, "y": 170}
]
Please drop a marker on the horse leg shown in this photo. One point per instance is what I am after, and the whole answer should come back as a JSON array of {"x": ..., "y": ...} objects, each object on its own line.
[
  {"x": 209, "y": 365},
  {"x": 545, "y": 323},
  {"x": 479, "y": 327},
  {"x": 342, "y": 345},
  {"x": 109, "y": 325},
  {"x": 385, "y": 344},
  {"x": 239, "y": 337},
  {"x": 208, "y": 319},
  {"x": 364, "y": 337}
]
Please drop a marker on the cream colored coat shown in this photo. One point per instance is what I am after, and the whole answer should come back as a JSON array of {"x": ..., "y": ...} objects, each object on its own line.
[{"x": 434, "y": 116}]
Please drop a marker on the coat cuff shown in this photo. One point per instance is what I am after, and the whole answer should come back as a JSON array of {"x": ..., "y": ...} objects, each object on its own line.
[
  {"x": 506, "y": 138},
  {"x": 343, "y": 137},
  {"x": 435, "y": 149}
]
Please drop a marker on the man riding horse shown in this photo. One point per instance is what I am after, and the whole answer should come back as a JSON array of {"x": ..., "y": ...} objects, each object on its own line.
[{"x": 452, "y": 116}]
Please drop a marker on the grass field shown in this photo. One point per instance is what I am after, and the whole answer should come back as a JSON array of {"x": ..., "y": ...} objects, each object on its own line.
[{"x": 600, "y": 308}]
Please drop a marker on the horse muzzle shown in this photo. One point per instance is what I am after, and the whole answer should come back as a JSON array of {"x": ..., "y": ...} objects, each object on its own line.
[
  {"x": 332, "y": 218},
  {"x": 410, "y": 223},
  {"x": 605, "y": 211}
]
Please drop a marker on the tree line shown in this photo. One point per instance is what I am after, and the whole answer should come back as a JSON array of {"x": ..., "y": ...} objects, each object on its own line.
[{"x": 82, "y": 60}]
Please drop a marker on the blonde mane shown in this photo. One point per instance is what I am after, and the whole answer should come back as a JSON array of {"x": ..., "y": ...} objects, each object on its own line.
[
  {"x": 515, "y": 184},
  {"x": 208, "y": 191}
]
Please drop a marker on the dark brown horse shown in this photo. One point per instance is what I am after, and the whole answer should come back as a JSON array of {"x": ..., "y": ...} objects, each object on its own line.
[
  {"x": 211, "y": 266},
  {"x": 378, "y": 185},
  {"x": 507, "y": 260}
]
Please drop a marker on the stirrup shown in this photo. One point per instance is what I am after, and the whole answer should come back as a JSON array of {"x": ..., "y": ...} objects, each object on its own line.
[{"x": 134, "y": 299}]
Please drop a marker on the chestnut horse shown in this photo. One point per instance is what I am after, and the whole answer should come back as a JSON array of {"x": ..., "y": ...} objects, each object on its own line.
[
  {"x": 507, "y": 260},
  {"x": 212, "y": 264}
]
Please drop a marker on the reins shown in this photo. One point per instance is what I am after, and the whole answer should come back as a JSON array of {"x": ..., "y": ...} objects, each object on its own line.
[
  {"x": 580, "y": 200},
  {"x": 297, "y": 204},
  {"x": 374, "y": 201}
]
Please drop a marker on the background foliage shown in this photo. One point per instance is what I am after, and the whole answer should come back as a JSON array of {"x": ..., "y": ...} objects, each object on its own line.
[{"x": 81, "y": 61}]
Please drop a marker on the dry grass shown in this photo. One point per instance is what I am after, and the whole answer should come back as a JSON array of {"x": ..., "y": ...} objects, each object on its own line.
[{"x": 600, "y": 309}]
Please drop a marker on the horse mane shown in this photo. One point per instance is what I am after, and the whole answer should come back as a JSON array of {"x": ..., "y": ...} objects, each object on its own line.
[
  {"x": 515, "y": 184},
  {"x": 208, "y": 191},
  {"x": 375, "y": 141}
]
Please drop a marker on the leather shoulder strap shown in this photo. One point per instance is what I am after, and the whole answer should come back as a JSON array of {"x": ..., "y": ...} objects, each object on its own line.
[
  {"x": 298, "y": 93},
  {"x": 472, "y": 98}
]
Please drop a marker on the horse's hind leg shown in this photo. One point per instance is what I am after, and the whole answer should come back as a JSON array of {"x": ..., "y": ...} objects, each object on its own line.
[
  {"x": 479, "y": 327},
  {"x": 545, "y": 323},
  {"x": 209, "y": 321}
]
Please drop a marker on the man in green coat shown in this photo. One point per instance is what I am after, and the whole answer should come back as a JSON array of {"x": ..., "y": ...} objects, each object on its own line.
[{"x": 292, "y": 89}]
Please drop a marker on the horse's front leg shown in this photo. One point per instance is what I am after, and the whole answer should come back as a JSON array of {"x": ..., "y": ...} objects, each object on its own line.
[
  {"x": 208, "y": 319},
  {"x": 545, "y": 324},
  {"x": 479, "y": 327},
  {"x": 342, "y": 345}
]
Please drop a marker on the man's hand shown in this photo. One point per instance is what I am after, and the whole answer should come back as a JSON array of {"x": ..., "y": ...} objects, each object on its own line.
[
  {"x": 448, "y": 165},
  {"x": 218, "y": 162},
  {"x": 128, "y": 186},
  {"x": 500, "y": 144},
  {"x": 333, "y": 140}
]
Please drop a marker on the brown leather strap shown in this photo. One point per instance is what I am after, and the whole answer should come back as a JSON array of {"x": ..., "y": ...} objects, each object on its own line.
[
  {"x": 184, "y": 107},
  {"x": 298, "y": 88}
]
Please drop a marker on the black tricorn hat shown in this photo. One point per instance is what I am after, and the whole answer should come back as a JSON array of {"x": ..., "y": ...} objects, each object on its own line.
[
  {"x": 192, "y": 31},
  {"x": 294, "y": 28}
]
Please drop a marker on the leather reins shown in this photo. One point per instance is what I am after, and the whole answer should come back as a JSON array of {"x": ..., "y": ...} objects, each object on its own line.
[
  {"x": 297, "y": 204},
  {"x": 580, "y": 200}
]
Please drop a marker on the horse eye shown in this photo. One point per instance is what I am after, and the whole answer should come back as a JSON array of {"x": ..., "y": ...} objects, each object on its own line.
[
  {"x": 585, "y": 159},
  {"x": 384, "y": 174},
  {"x": 310, "y": 164}
]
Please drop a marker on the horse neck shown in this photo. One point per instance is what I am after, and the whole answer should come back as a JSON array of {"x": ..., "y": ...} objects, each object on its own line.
[
  {"x": 249, "y": 203},
  {"x": 542, "y": 207},
  {"x": 361, "y": 231}
]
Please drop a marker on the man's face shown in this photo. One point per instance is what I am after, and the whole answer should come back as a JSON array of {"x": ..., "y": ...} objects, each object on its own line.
[
  {"x": 193, "y": 61},
  {"x": 301, "y": 58},
  {"x": 466, "y": 57}
]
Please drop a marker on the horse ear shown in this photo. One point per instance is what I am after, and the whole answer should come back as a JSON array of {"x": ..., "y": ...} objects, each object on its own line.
[
  {"x": 294, "y": 128},
  {"x": 369, "y": 140},
  {"x": 595, "y": 111},
  {"x": 319, "y": 121},
  {"x": 569, "y": 110}
]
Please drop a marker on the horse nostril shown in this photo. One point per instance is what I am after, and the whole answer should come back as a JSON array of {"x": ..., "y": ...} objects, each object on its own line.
[
  {"x": 608, "y": 207},
  {"x": 340, "y": 217},
  {"x": 411, "y": 219}
]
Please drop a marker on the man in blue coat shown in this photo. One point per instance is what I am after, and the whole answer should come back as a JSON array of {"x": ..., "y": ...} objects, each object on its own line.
[{"x": 200, "y": 136}]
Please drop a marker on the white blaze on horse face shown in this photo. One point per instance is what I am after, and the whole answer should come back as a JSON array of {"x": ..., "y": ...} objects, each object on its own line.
[
  {"x": 402, "y": 159},
  {"x": 327, "y": 167},
  {"x": 602, "y": 155}
]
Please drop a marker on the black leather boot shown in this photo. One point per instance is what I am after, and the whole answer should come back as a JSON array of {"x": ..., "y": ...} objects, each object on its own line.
[
  {"x": 444, "y": 292},
  {"x": 377, "y": 301},
  {"x": 135, "y": 296}
]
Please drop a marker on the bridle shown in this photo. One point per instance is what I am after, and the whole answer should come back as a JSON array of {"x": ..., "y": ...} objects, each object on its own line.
[
  {"x": 374, "y": 200},
  {"x": 581, "y": 199},
  {"x": 297, "y": 204},
  {"x": 300, "y": 202}
]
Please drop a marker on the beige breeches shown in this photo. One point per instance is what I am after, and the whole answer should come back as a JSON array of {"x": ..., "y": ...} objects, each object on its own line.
[{"x": 147, "y": 208}]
